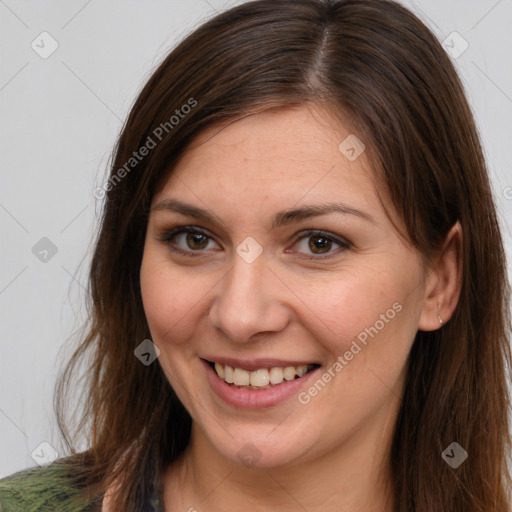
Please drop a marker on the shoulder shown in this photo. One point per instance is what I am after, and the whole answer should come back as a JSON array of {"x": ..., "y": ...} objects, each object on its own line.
[{"x": 46, "y": 488}]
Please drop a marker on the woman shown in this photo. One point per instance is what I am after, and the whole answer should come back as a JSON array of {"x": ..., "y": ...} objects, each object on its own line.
[{"x": 299, "y": 289}]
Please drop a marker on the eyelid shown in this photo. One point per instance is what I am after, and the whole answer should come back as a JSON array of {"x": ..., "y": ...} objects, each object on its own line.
[
  {"x": 342, "y": 242},
  {"x": 338, "y": 239},
  {"x": 168, "y": 234}
]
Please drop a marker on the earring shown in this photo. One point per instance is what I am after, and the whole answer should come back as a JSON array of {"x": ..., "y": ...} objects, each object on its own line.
[{"x": 439, "y": 316}]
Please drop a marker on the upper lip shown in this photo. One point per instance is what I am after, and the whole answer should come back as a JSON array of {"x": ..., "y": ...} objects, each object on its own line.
[{"x": 255, "y": 364}]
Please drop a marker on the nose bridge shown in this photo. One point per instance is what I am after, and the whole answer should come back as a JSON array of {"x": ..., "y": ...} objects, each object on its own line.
[{"x": 247, "y": 302}]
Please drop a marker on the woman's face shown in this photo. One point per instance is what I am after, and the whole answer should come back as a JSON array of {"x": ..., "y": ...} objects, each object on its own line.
[{"x": 269, "y": 253}]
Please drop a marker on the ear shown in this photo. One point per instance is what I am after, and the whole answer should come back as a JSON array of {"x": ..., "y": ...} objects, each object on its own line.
[{"x": 443, "y": 284}]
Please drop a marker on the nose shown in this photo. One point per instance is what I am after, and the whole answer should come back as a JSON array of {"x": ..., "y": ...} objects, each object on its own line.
[{"x": 247, "y": 302}]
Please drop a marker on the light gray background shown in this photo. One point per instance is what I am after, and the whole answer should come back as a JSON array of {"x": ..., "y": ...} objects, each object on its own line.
[{"x": 59, "y": 119}]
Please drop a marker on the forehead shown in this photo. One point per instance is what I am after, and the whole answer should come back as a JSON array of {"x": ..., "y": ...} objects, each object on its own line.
[{"x": 298, "y": 152}]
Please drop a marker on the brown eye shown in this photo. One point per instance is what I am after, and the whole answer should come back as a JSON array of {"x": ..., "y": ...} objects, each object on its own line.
[
  {"x": 196, "y": 240},
  {"x": 319, "y": 244},
  {"x": 188, "y": 240}
]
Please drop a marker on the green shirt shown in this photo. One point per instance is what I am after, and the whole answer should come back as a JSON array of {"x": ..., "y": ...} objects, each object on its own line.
[{"x": 52, "y": 488}]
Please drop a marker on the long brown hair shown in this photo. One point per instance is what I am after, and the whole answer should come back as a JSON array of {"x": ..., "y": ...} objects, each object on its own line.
[{"x": 378, "y": 64}]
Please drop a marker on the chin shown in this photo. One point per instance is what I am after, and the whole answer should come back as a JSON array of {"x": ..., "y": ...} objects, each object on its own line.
[{"x": 263, "y": 446}]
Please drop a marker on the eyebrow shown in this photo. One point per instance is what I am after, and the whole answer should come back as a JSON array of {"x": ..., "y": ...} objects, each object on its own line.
[{"x": 282, "y": 218}]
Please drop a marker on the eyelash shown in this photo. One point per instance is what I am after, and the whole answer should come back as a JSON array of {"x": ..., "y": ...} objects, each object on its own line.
[{"x": 169, "y": 235}]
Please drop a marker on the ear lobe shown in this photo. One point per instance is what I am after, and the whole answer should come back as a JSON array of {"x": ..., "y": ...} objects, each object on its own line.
[{"x": 444, "y": 283}]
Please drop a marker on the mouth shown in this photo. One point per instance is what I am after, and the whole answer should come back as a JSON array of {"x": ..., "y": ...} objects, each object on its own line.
[{"x": 264, "y": 377}]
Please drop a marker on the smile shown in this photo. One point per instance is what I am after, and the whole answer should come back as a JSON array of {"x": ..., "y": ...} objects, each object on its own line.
[
  {"x": 257, "y": 384},
  {"x": 261, "y": 378}
]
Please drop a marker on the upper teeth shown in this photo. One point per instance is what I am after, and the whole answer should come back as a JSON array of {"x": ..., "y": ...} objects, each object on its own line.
[{"x": 259, "y": 378}]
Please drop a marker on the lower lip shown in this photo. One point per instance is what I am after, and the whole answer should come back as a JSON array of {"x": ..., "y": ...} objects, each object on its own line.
[{"x": 253, "y": 398}]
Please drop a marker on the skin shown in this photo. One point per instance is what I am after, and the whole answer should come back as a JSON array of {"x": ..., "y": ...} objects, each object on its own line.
[{"x": 332, "y": 453}]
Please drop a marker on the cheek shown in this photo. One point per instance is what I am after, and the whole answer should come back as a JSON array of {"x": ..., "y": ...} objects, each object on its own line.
[
  {"x": 345, "y": 307},
  {"x": 369, "y": 336},
  {"x": 168, "y": 306},
  {"x": 171, "y": 302}
]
